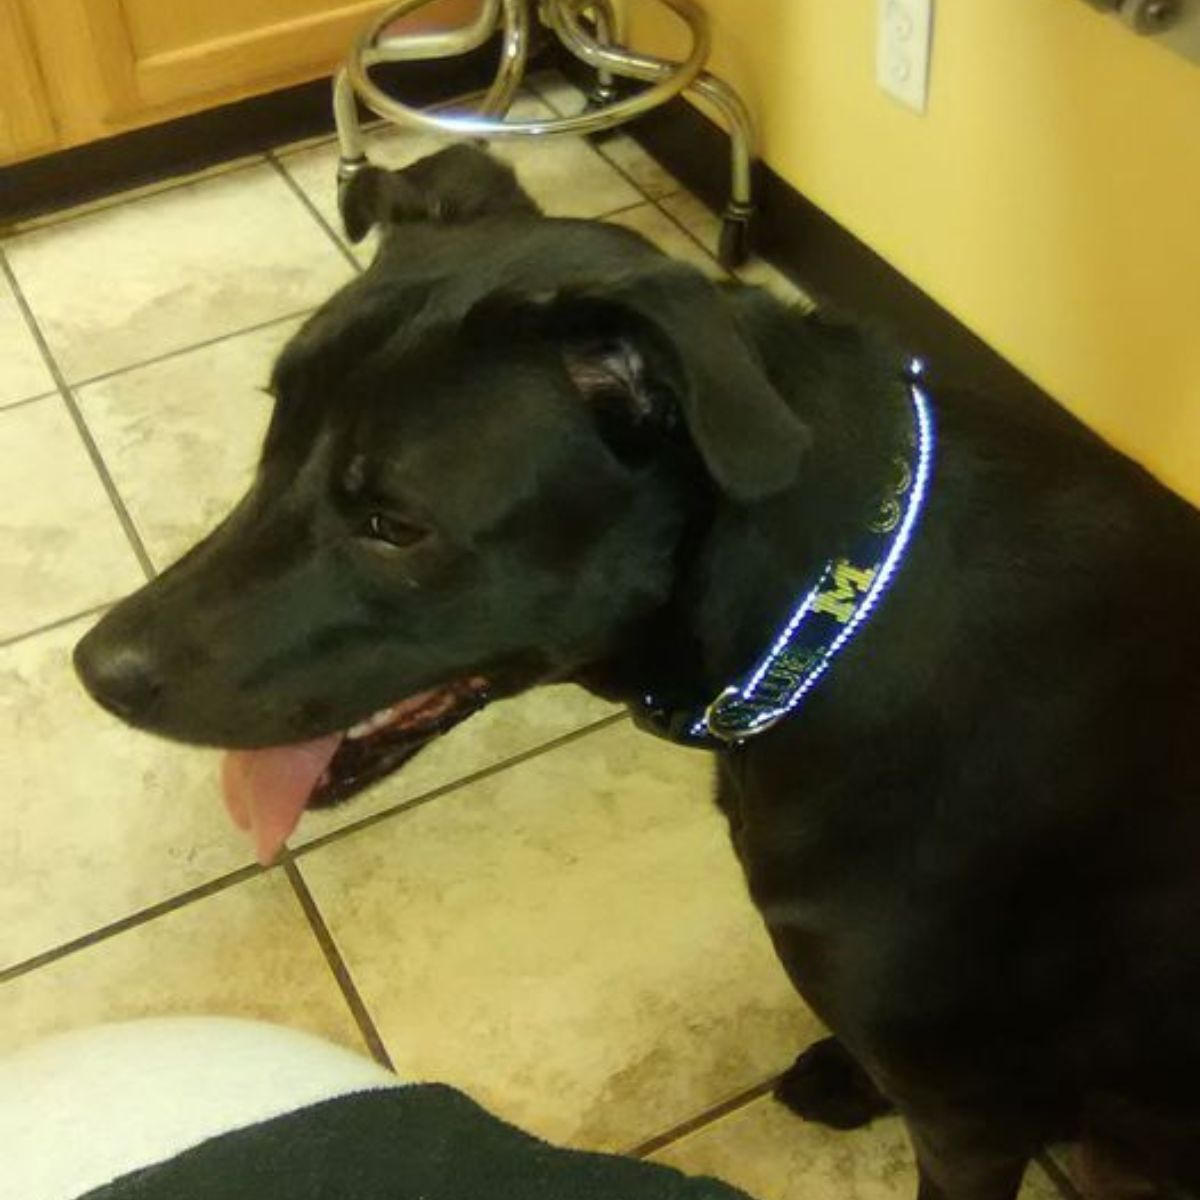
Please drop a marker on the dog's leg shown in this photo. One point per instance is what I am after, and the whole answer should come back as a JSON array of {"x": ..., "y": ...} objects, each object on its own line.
[
  {"x": 958, "y": 1161},
  {"x": 1100, "y": 1176},
  {"x": 826, "y": 1085}
]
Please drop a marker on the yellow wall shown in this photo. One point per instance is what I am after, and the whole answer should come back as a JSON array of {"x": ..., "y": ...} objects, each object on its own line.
[{"x": 1049, "y": 198}]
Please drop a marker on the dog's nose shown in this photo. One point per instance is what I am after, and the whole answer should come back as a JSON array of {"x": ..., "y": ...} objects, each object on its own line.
[{"x": 121, "y": 676}]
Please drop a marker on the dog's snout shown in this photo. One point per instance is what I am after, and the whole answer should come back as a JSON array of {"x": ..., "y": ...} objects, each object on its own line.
[{"x": 120, "y": 675}]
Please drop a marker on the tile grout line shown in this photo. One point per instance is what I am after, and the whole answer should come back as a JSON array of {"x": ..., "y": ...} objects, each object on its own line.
[
  {"x": 656, "y": 201},
  {"x": 708, "y": 1117},
  {"x": 337, "y": 966},
  {"x": 50, "y": 626},
  {"x": 666, "y": 212},
  {"x": 619, "y": 212},
  {"x": 313, "y": 211},
  {"x": 599, "y": 147},
  {"x": 220, "y": 884},
  {"x": 134, "y": 920},
  {"x": 89, "y": 443},
  {"x": 802, "y": 296},
  {"x": 9, "y": 405},
  {"x": 167, "y": 355},
  {"x": 445, "y": 789},
  {"x": 1061, "y": 1181},
  {"x": 694, "y": 237}
]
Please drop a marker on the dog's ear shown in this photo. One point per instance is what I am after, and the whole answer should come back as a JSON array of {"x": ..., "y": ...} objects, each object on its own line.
[
  {"x": 611, "y": 374},
  {"x": 460, "y": 183},
  {"x": 667, "y": 338},
  {"x": 376, "y": 197},
  {"x": 606, "y": 367}
]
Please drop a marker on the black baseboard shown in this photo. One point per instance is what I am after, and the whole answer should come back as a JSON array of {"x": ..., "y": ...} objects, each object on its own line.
[
  {"x": 191, "y": 143},
  {"x": 825, "y": 259}
]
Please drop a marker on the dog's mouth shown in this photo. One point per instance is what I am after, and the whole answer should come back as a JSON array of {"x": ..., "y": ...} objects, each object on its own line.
[{"x": 268, "y": 790}]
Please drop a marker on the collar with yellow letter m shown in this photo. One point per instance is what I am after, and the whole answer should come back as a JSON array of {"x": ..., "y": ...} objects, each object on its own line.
[{"x": 845, "y": 593}]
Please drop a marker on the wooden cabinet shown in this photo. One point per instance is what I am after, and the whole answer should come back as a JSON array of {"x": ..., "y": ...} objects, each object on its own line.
[
  {"x": 72, "y": 71},
  {"x": 112, "y": 65},
  {"x": 26, "y": 124},
  {"x": 153, "y": 54}
]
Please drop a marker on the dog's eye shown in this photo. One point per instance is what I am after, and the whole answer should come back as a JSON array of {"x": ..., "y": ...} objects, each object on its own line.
[{"x": 384, "y": 528}]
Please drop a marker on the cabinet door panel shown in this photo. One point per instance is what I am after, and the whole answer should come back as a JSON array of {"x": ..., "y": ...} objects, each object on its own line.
[
  {"x": 155, "y": 54},
  {"x": 156, "y": 28},
  {"x": 26, "y": 124},
  {"x": 113, "y": 65}
]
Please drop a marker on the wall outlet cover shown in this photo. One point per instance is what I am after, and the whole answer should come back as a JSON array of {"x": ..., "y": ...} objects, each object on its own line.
[{"x": 903, "y": 45}]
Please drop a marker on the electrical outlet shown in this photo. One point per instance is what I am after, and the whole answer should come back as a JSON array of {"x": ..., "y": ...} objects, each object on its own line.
[{"x": 902, "y": 50}]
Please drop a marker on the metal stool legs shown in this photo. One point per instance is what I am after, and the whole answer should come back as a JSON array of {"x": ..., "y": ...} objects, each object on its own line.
[
  {"x": 602, "y": 50},
  {"x": 608, "y": 33},
  {"x": 735, "y": 224}
]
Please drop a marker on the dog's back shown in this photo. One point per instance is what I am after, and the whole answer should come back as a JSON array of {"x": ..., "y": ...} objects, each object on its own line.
[{"x": 978, "y": 847}]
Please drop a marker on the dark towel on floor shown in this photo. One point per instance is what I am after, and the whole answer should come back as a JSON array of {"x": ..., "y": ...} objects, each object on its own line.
[{"x": 424, "y": 1142}]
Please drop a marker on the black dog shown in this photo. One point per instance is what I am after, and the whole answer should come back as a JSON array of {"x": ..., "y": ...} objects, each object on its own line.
[{"x": 520, "y": 450}]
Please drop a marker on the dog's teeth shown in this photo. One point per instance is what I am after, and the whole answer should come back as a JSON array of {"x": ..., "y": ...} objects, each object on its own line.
[{"x": 374, "y": 722}]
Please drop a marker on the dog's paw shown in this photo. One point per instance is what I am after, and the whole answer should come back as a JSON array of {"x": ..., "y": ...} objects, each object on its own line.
[{"x": 826, "y": 1085}]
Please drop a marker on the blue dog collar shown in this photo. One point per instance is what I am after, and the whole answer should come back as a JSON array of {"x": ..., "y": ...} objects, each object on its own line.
[{"x": 838, "y": 604}]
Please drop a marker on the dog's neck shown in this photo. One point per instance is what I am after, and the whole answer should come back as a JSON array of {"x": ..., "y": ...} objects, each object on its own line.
[{"x": 741, "y": 571}]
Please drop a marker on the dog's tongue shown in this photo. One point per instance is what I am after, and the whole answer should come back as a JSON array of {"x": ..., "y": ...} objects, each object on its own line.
[{"x": 266, "y": 790}]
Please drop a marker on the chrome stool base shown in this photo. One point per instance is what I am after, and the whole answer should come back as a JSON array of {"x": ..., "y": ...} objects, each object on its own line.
[{"x": 599, "y": 46}]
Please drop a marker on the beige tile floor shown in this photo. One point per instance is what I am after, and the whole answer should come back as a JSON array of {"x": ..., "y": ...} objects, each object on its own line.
[{"x": 543, "y": 909}]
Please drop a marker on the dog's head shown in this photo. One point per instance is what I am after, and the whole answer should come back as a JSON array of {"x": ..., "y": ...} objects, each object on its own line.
[{"x": 483, "y": 456}]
